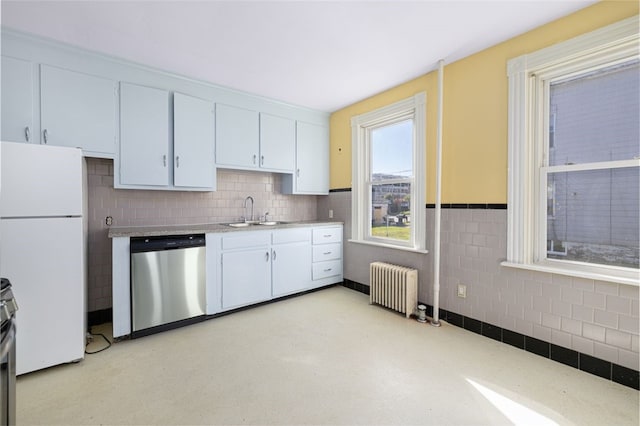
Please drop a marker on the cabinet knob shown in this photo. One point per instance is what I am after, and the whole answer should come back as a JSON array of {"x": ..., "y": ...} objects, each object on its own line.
[
  {"x": 274, "y": 255},
  {"x": 262, "y": 160},
  {"x": 27, "y": 133},
  {"x": 164, "y": 160},
  {"x": 177, "y": 161},
  {"x": 298, "y": 173},
  {"x": 45, "y": 136},
  {"x": 254, "y": 158},
  {"x": 267, "y": 256}
]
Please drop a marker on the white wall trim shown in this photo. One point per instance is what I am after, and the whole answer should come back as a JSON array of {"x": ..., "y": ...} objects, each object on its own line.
[
  {"x": 616, "y": 42},
  {"x": 416, "y": 105}
]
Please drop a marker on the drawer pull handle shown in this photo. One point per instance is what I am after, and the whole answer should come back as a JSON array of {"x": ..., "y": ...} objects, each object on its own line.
[
  {"x": 327, "y": 236},
  {"x": 328, "y": 270},
  {"x": 326, "y": 253}
]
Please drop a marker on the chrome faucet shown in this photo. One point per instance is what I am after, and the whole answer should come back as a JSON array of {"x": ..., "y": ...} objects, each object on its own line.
[{"x": 245, "y": 209}]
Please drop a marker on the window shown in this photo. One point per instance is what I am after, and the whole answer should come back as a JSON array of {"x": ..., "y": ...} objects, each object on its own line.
[
  {"x": 574, "y": 157},
  {"x": 389, "y": 176}
]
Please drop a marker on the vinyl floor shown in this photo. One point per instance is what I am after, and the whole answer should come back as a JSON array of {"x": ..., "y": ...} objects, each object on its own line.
[{"x": 324, "y": 358}]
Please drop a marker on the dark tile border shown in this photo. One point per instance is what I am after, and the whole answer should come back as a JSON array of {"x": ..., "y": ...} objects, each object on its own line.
[
  {"x": 482, "y": 206},
  {"x": 356, "y": 286},
  {"x": 99, "y": 317},
  {"x": 605, "y": 369},
  {"x": 565, "y": 356},
  {"x": 477, "y": 206}
]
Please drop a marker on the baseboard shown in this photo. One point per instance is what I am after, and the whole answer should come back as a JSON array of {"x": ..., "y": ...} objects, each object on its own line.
[
  {"x": 99, "y": 317},
  {"x": 599, "y": 367}
]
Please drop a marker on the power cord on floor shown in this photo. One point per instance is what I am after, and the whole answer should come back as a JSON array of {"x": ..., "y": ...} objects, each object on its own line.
[{"x": 90, "y": 334}]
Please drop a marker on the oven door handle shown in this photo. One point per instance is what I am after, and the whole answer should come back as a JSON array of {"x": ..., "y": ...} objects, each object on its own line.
[{"x": 8, "y": 339}]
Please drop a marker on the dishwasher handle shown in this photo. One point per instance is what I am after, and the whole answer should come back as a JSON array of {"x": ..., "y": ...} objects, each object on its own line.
[{"x": 171, "y": 242}]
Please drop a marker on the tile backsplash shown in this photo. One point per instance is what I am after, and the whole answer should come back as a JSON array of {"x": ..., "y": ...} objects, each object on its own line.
[{"x": 130, "y": 207}]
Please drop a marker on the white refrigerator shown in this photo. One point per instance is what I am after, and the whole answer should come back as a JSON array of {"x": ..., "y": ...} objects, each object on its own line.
[{"x": 42, "y": 250}]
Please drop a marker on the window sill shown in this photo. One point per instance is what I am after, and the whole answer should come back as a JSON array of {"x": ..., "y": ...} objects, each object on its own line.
[
  {"x": 628, "y": 279},
  {"x": 390, "y": 246}
]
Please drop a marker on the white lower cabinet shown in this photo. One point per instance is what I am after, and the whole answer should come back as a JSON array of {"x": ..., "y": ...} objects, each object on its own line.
[
  {"x": 245, "y": 277},
  {"x": 327, "y": 255},
  {"x": 291, "y": 261},
  {"x": 255, "y": 266},
  {"x": 245, "y": 268}
]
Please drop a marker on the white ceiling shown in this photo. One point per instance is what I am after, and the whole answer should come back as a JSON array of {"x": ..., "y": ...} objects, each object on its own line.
[{"x": 320, "y": 54}]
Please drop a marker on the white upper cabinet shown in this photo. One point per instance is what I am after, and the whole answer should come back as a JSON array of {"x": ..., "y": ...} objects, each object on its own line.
[
  {"x": 277, "y": 143},
  {"x": 17, "y": 101},
  {"x": 149, "y": 156},
  {"x": 157, "y": 127},
  {"x": 237, "y": 137},
  {"x": 193, "y": 142},
  {"x": 78, "y": 110},
  {"x": 251, "y": 140},
  {"x": 144, "y": 135},
  {"x": 311, "y": 175}
]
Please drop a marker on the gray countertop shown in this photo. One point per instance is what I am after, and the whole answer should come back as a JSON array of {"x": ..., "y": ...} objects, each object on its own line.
[{"x": 203, "y": 228}]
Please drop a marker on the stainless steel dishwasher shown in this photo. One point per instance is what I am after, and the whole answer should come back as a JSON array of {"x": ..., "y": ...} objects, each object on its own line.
[{"x": 167, "y": 282}]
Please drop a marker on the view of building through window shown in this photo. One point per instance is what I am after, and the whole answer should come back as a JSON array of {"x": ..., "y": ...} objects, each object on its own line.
[
  {"x": 391, "y": 151},
  {"x": 592, "y": 194}
]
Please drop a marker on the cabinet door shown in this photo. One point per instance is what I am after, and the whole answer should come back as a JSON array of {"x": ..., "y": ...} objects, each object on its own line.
[
  {"x": 291, "y": 268},
  {"x": 277, "y": 143},
  {"x": 246, "y": 277},
  {"x": 312, "y": 159},
  {"x": 78, "y": 110},
  {"x": 237, "y": 137},
  {"x": 193, "y": 142},
  {"x": 17, "y": 101},
  {"x": 144, "y": 135}
]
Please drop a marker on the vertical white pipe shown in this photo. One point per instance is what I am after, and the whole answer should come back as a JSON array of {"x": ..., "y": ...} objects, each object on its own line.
[{"x": 436, "y": 232}]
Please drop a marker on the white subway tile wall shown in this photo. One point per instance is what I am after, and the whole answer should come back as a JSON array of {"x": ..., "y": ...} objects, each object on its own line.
[
  {"x": 593, "y": 317},
  {"x": 130, "y": 207}
]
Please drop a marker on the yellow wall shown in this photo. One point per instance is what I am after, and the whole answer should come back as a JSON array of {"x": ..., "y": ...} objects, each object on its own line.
[{"x": 475, "y": 110}]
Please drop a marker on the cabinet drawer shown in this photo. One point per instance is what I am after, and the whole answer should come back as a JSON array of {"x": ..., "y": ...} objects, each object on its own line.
[
  {"x": 327, "y": 269},
  {"x": 296, "y": 235},
  {"x": 245, "y": 239},
  {"x": 327, "y": 252},
  {"x": 327, "y": 235}
]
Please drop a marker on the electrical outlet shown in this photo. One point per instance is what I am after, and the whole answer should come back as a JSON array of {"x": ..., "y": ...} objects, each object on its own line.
[
  {"x": 462, "y": 291},
  {"x": 330, "y": 214},
  {"x": 108, "y": 221}
]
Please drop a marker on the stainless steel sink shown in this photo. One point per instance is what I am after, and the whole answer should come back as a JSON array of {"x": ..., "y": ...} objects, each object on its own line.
[
  {"x": 238, "y": 224},
  {"x": 254, "y": 223}
]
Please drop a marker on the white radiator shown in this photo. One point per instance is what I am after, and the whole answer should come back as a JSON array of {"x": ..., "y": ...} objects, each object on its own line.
[{"x": 393, "y": 286}]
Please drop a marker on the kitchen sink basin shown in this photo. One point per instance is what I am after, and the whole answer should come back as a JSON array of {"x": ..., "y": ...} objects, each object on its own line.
[{"x": 254, "y": 223}]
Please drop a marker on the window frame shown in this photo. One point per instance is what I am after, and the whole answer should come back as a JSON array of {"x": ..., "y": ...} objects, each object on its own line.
[
  {"x": 410, "y": 108},
  {"x": 529, "y": 78}
]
